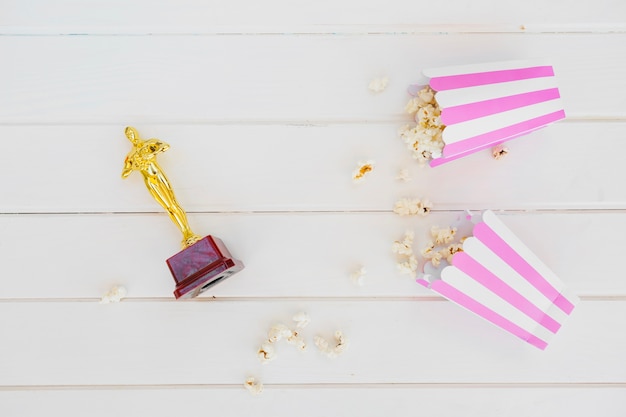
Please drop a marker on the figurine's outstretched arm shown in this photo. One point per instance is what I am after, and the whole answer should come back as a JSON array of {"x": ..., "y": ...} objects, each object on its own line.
[{"x": 128, "y": 168}]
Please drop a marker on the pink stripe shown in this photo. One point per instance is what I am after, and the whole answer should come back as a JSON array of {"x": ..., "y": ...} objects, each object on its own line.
[
  {"x": 457, "y": 114},
  {"x": 451, "y": 82},
  {"x": 488, "y": 139},
  {"x": 485, "y": 277},
  {"x": 497, "y": 245},
  {"x": 458, "y": 297}
]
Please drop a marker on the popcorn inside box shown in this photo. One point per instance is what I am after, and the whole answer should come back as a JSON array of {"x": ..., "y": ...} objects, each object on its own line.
[
  {"x": 468, "y": 108},
  {"x": 496, "y": 276}
]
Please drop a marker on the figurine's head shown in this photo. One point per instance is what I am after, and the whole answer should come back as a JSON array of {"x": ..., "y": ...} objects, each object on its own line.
[{"x": 132, "y": 135}]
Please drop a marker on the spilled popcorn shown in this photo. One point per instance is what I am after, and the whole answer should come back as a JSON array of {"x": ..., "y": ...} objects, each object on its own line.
[
  {"x": 436, "y": 251},
  {"x": 499, "y": 151},
  {"x": 253, "y": 386},
  {"x": 404, "y": 247},
  {"x": 442, "y": 236},
  {"x": 424, "y": 139},
  {"x": 451, "y": 250},
  {"x": 334, "y": 350},
  {"x": 403, "y": 175},
  {"x": 114, "y": 295},
  {"x": 266, "y": 352},
  {"x": 378, "y": 85},
  {"x": 407, "y": 263},
  {"x": 412, "y": 206},
  {"x": 279, "y": 331},
  {"x": 408, "y": 267},
  {"x": 362, "y": 170},
  {"x": 431, "y": 254},
  {"x": 358, "y": 275},
  {"x": 302, "y": 320},
  {"x": 296, "y": 340}
]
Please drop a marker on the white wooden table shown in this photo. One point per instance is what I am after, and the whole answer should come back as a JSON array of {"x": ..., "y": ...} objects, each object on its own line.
[{"x": 267, "y": 110}]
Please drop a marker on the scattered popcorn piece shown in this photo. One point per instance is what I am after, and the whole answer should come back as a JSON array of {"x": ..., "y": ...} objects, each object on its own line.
[
  {"x": 403, "y": 175},
  {"x": 302, "y": 320},
  {"x": 253, "y": 386},
  {"x": 442, "y": 236},
  {"x": 499, "y": 152},
  {"x": 277, "y": 332},
  {"x": 363, "y": 168},
  {"x": 426, "y": 95},
  {"x": 403, "y": 206},
  {"x": 321, "y": 343},
  {"x": 114, "y": 295},
  {"x": 406, "y": 246},
  {"x": 357, "y": 276},
  {"x": 408, "y": 263},
  {"x": 413, "y": 105},
  {"x": 377, "y": 85},
  {"x": 449, "y": 252},
  {"x": 266, "y": 352},
  {"x": 436, "y": 258},
  {"x": 424, "y": 207},
  {"x": 436, "y": 251},
  {"x": 409, "y": 266},
  {"x": 412, "y": 206},
  {"x": 424, "y": 139},
  {"x": 428, "y": 250},
  {"x": 431, "y": 254},
  {"x": 342, "y": 343},
  {"x": 296, "y": 340},
  {"x": 332, "y": 351}
]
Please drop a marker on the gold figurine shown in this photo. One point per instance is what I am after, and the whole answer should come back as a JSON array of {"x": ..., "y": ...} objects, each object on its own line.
[{"x": 143, "y": 158}]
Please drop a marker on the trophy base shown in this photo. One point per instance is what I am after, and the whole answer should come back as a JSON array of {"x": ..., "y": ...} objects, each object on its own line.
[{"x": 200, "y": 266}]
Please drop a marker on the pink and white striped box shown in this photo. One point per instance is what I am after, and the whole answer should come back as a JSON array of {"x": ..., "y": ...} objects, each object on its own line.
[
  {"x": 487, "y": 104},
  {"x": 497, "y": 277}
]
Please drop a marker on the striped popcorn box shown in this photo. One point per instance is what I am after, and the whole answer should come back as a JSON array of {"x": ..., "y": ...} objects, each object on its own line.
[
  {"x": 497, "y": 277},
  {"x": 487, "y": 104}
]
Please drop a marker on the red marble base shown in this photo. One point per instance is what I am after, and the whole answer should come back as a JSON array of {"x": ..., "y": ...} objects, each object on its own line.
[{"x": 200, "y": 266}]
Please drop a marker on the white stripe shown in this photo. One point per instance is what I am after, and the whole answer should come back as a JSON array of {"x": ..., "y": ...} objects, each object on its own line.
[
  {"x": 484, "y": 67},
  {"x": 484, "y": 256},
  {"x": 459, "y": 96},
  {"x": 466, "y": 284},
  {"x": 461, "y": 131}
]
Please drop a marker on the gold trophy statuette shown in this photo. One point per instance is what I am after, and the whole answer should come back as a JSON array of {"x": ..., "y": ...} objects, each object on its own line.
[{"x": 203, "y": 262}]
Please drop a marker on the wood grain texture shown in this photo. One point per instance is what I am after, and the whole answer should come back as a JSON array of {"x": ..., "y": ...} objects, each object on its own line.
[
  {"x": 286, "y": 254},
  {"x": 305, "y": 168},
  {"x": 283, "y": 401},
  {"x": 274, "y": 401},
  {"x": 267, "y": 109},
  {"x": 177, "y": 79},
  {"x": 143, "y": 343},
  {"x": 280, "y": 16}
]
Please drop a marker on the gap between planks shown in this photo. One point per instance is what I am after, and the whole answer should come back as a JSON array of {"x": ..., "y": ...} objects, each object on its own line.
[
  {"x": 616, "y": 210},
  {"x": 400, "y": 120},
  {"x": 426, "y": 298},
  {"x": 336, "y": 30},
  {"x": 422, "y": 385}
]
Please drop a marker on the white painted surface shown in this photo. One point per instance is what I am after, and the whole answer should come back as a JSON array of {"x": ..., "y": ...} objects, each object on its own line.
[{"x": 266, "y": 107}]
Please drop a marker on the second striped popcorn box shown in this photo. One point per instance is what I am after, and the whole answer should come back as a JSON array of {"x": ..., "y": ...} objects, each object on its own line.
[
  {"x": 497, "y": 277},
  {"x": 483, "y": 105}
]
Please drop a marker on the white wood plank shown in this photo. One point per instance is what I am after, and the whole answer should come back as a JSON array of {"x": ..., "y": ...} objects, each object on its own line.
[
  {"x": 286, "y": 168},
  {"x": 286, "y": 255},
  {"x": 316, "y": 401},
  {"x": 276, "y": 16},
  {"x": 139, "y": 79},
  {"x": 130, "y": 343}
]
